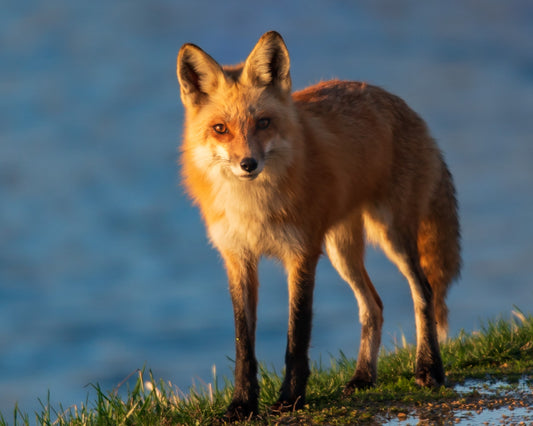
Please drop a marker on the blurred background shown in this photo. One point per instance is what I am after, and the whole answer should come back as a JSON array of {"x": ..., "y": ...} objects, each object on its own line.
[{"x": 104, "y": 265}]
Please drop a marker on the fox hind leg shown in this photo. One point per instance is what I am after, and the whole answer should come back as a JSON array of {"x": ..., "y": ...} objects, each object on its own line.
[
  {"x": 345, "y": 248},
  {"x": 399, "y": 241}
]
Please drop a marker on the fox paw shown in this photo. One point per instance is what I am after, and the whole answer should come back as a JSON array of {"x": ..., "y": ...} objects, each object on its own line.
[
  {"x": 240, "y": 411},
  {"x": 428, "y": 381},
  {"x": 283, "y": 406},
  {"x": 430, "y": 377},
  {"x": 354, "y": 384}
]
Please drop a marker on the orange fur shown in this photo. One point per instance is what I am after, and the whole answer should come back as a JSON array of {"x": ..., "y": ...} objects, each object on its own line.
[{"x": 328, "y": 162}]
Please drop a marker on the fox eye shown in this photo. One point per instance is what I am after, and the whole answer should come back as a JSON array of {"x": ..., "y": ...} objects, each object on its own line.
[
  {"x": 220, "y": 128},
  {"x": 262, "y": 123}
]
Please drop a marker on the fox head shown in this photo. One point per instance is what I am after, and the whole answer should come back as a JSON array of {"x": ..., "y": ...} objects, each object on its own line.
[{"x": 236, "y": 118}]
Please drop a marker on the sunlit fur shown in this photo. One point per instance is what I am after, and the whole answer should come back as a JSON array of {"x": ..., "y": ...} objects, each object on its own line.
[{"x": 337, "y": 161}]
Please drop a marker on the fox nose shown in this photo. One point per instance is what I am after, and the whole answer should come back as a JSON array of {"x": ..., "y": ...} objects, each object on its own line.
[{"x": 249, "y": 164}]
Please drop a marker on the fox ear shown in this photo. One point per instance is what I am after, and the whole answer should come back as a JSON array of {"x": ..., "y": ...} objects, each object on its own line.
[
  {"x": 198, "y": 74},
  {"x": 268, "y": 64}
]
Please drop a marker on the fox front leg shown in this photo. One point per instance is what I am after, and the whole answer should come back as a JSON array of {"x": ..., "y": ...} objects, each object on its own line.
[
  {"x": 243, "y": 284},
  {"x": 301, "y": 286}
]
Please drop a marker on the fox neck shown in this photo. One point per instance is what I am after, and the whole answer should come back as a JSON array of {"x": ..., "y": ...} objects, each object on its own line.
[{"x": 255, "y": 218}]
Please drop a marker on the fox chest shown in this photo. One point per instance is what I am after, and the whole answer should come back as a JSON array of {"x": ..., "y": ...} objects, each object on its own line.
[{"x": 253, "y": 232}]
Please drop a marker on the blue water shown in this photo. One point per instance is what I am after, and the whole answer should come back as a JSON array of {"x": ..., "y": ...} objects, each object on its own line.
[{"x": 104, "y": 265}]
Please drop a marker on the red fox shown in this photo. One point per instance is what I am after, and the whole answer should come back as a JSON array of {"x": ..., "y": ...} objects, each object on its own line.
[{"x": 283, "y": 174}]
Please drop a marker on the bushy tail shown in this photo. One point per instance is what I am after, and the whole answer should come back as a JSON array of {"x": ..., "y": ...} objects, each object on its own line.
[{"x": 439, "y": 247}]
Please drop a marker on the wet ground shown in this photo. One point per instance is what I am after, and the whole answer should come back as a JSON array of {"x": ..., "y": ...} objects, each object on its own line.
[{"x": 481, "y": 403}]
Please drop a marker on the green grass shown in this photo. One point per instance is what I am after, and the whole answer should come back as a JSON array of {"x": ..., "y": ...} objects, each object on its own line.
[{"x": 501, "y": 349}]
